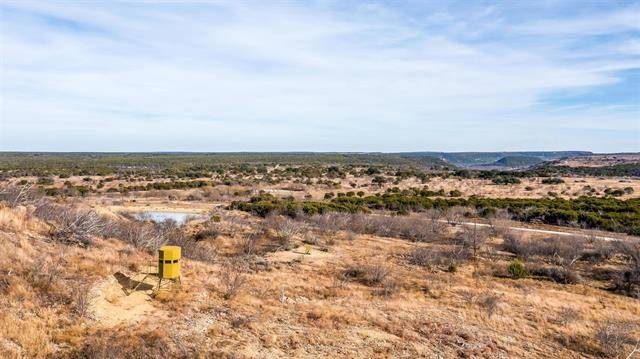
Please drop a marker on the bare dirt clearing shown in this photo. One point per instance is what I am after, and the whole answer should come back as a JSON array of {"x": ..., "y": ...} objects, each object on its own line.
[{"x": 110, "y": 305}]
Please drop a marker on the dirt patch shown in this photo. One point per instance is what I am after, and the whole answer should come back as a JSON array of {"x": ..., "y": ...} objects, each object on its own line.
[
  {"x": 314, "y": 256},
  {"x": 110, "y": 305}
]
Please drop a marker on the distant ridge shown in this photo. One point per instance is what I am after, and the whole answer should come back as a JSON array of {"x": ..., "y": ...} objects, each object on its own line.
[
  {"x": 471, "y": 159},
  {"x": 518, "y": 161}
]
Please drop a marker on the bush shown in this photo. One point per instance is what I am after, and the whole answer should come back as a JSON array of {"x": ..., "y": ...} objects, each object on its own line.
[
  {"x": 247, "y": 245},
  {"x": 368, "y": 274},
  {"x": 210, "y": 230},
  {"x": 140, "y": 234},
  {"x": 45, "y": 181},
  {"x": 232, "y": 278},
  {"x": 628, "y": 280},
  {"x": 563, "y": 251},
  {"x": 631, "y": 250},
  {"x": 517, "y": 270},
  {"x": 554, "y": 180},
  {"x": 614, "y": 192},
  {"x": 285, "y": 230},
  {"x": 588, "y": 212},
  {"x": 612, "y": 337},
  {"x": 557, "y": 274},
  {"x": 72, "y": 225},
  {"x": 502, "y": 180},
  {"x": 473, "y": 239},
  {"x": 490, "y": 304},
  {"x": 426, "y": 257},
  {"x": 388, "y": 288},
  {"x": 415, "y": 229},
  {"x": 19, "y": 195},
  {"x": 123, "y": 343}
]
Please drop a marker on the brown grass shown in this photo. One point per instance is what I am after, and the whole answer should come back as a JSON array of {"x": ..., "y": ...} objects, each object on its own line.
[{"x": 369, "y": 296}]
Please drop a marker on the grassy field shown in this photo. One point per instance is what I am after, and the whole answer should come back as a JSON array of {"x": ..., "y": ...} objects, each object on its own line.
[{"x": 327, "y": 260}]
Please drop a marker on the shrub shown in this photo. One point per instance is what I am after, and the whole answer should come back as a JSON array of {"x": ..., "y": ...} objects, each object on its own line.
[
  {"x": 15, "y": 196},
  {"x": 489, "y": 303},
  {"x": 140, "y": 234},
  {"x": 72, "y": 225},
  {"x": 80, "y": 297},
  {"x": 557, "y": 274},
  {"x": 601, "y": 251},
  {"x": 612, "y": 337},
  {"x": 554, "y": 180},
  {"x": 472, "y": 239},
  {"x": 285, "y": 229},
  {"x": 123, "y": 343},
  {"x": 517, "y": 270},
  {"x": 45, "y": 181},
  {"x": 388, "y": 288},
  {"x": 564, "y": 251},
  {"x": 502, "y": 180},
  {"x": 425, "y": 257},
  {"x": 614, "y": 192},
  {"x": 631, "y": 250},
  {"x": 567, "y": 315},
  {"x": 247, "y": 245},
  {"x": 589, "y": 212},
  {"x": 368, "y": 274},
  {"x": 232, "y": 278},
  {"x": 211, "y": 230},
  {"x": 627, "y": 280}
]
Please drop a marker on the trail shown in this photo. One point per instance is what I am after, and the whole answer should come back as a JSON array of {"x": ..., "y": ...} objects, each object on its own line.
[{"x": 533, "y": 230}]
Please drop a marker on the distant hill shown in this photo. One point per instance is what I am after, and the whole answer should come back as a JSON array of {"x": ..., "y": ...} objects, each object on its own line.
[
  {"x": 600, "y": 160},
  {"x": 612, "y": 164},
  {"x": 517, "y": 161},
  {"x": 471, "y": 159},
  {"x": 86, "y": 163}
]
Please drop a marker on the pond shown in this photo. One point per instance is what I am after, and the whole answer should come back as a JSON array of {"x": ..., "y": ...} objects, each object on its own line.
[{"x": 159, "y": 216}]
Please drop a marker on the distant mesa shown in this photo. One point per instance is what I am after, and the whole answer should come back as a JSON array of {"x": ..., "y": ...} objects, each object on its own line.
[
  {"x": 484, "y": 160},
  {"x": 517, "y": 161}
]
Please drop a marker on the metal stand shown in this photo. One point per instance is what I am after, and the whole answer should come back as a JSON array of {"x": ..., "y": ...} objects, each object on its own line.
[
  {"x": 174, "y": 280},
  {"x": 147, "y": 274}
]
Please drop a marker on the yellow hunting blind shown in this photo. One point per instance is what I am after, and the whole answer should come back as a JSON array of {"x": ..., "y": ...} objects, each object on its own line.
[
  {"x": 169, "y": 262},
  {"x": 168, "y": 268}
]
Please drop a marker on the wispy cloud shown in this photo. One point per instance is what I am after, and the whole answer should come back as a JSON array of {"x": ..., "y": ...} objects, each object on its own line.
[{"x": 316, "y": 76}]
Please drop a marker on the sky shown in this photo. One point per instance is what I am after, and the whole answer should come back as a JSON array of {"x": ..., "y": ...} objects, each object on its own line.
[{"x": 352, "y": 76}]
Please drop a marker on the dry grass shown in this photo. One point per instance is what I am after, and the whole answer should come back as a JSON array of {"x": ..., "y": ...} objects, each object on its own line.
[
  {"x": 369, "y": 296},
  {"x": 19, "y": 220}
]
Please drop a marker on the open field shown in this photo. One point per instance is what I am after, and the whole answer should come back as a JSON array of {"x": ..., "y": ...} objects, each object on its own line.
[
  {"x": 600, "y": 160},
  {"x": 533, "y": 187},
  {"x": 326, "y": 260},
  {"x": 331, "y": 179}
]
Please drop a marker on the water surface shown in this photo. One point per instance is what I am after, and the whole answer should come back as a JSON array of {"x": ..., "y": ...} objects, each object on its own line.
[{"x": 160, "y": 216}]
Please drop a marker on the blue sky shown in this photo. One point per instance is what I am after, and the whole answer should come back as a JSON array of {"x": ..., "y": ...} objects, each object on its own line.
[{"x": 320, "y": 76}]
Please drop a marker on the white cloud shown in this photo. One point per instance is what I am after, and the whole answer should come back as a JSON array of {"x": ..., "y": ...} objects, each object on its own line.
[{"x": 284, "y": 78}]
